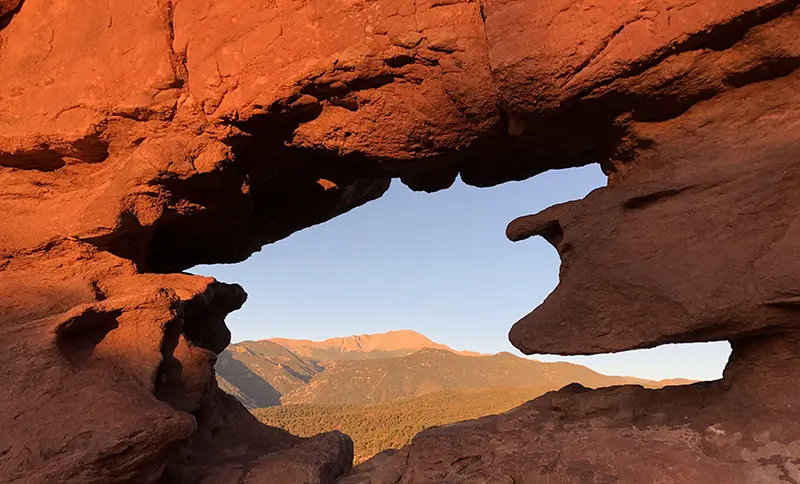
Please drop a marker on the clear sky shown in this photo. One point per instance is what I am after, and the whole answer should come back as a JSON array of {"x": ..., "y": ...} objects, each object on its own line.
[{"x": 439, "y": 264}]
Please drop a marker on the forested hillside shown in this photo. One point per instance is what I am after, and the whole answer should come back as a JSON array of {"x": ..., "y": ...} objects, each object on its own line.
[{"x": 374, "y": 428}]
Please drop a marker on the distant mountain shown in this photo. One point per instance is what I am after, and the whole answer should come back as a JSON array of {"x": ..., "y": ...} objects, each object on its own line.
[
  {"x": 364, "y": 346},
  {"x": 432, "y": 370},
  {"x": 379, "y": 368},
  {"x": 673, "y": 382}
]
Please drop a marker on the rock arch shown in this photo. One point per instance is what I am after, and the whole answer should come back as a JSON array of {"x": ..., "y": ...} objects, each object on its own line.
[{"x": 140, "y": 139}]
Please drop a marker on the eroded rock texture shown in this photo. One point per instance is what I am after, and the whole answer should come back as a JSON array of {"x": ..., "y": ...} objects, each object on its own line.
[{"x": 138, "y": 139}]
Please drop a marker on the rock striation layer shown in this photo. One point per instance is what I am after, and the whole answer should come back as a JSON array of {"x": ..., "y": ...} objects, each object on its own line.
[{"x": 138, "y": 140}]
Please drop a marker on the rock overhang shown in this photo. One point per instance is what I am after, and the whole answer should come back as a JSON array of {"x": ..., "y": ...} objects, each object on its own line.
[{"x": 205, "y": 139}]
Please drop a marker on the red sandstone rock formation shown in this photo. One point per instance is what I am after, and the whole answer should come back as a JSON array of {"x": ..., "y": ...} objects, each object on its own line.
[{"x": 139, "y": 139}]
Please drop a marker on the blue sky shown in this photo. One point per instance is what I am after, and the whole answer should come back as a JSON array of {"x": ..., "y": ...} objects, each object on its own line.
[{"x": 435, "y": 263}]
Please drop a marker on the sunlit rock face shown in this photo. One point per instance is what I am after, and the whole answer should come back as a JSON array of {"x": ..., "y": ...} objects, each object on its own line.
[{"x": 140, "y": 139}]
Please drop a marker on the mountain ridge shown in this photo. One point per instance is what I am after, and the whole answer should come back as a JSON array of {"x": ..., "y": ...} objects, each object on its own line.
[
  {"x": 383, "y": 367},
  {"x": 403, "y": 340},
  {"x": 431, "y": 370}
]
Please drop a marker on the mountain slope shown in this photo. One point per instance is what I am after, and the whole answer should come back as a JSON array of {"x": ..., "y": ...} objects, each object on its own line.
[
  {"x": 258, "y": 373},
  {"x": 246, "y": 400},
  {"x": 432, "y": 370},
  {"x": 367, "y": 369}
]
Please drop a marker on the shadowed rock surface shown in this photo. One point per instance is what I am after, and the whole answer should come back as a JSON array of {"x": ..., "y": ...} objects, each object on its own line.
[{"x": 140, "y": 139}]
